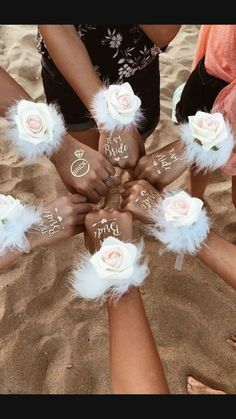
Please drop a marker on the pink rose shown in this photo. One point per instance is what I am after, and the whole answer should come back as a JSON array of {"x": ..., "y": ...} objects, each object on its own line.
[
  {"x": 34, "y": 124},
  {"x": 113, "y": 257},
  {"x": 209, "y": 129},
  {"x": 181, "y": 209},
  {"x": 114, "y": 260},
  {"x": 122, "y": 103}
]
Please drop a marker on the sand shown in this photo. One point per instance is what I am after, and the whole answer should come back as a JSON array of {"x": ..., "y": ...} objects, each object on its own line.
[{"x": 52, "y": 342}]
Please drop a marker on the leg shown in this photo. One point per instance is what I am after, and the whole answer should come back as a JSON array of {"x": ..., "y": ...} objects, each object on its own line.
[
  {"x": 196, "y": 387},
  {"x": 234, "y": 190},
  {"x": 198, "y": 182}
]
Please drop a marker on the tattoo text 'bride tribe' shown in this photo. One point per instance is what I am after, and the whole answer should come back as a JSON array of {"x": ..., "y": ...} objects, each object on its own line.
[
  {"x": 106, "y": 228},
  {"x": 115, "y": 149},
  {"x": 163, "y": 161},
  {"x": 147, "y": 199},
  {"x": 51, "y": 223}
]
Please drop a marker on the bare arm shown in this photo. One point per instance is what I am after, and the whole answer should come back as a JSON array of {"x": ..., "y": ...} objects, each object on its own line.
[
  {"x": 220, "y": 255},
  {"x": 11, "y": 91},
  {"x": 72, "y": 59},
  {"x": 135, "y": 364},
  {"x": 161, "y": 35}
]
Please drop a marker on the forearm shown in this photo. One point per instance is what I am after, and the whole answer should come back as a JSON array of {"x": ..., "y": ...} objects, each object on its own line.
[
  {"x": 72, "y": 59},
  {"x": 220, "y": 255},
  {"x": 11, "y": 91},
  {"x": 135, "y": 363},
  {"x": 161, "y": 35}
]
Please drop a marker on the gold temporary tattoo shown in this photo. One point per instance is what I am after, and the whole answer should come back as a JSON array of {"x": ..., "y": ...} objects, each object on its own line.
[
  {"x": 80, "y": 167},
  {"x": 147, "y": 199},
  {"x": 106, "y": 228},
  {"x": 115, "y": 149},
  {"x": 51, "y": 223},
  {"x": 163, "y": 162}
]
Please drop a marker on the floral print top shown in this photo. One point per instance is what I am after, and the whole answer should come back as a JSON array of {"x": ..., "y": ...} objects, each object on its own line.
[{"x": 116, "y": 51}]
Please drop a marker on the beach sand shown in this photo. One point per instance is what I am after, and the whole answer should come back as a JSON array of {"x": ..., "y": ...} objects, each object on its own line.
[{"x": 51, "y": 341}]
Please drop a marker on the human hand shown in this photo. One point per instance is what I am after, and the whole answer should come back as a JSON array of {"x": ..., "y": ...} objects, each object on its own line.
[
  {"x": 106, "y": 223},
  {"x": 122, "y": 148},
  {"x": 162, "y": 167},
  {"x": 83, "y": 170},
  {"x": 61, "y": 219},
  {"x": 139, "y": 197}
]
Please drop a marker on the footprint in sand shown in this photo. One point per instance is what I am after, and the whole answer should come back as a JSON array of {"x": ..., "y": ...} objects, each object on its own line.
[{"x": 196, "y": 387}]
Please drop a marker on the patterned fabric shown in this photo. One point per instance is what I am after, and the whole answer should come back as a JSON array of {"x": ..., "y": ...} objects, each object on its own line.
[{"x": 116, "y": 51}]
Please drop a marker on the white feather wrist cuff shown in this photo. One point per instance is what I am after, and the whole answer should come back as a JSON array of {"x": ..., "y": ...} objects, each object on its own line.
[
  {"x": 181, "y": 223},
  {"x": 35, "y": 128},
  {"x": 15, "y": 220},
  {"x": 116, "y": 107},
  {"x": 110, "y": 271},
  {"x": 208, "y": 141}
]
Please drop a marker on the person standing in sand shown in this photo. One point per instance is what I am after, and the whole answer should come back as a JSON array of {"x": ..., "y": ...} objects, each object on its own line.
[
  {"x": 211, "y": 87},
  {"x": 80, "y": 62}
]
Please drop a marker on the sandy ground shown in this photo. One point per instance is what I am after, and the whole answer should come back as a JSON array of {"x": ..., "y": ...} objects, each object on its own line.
[{"x": 52, "y": 342}]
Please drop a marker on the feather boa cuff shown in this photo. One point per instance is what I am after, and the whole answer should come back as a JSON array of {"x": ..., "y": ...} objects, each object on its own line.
[
  {"x": 208, "y": 141},
  {"x": 181, "y": 223},
  {"x": 15, "y": 220},
  {"x": 35, "y": 128},
  {"x": 116, "y": 107},
  {"x": 110, "y": 271}
]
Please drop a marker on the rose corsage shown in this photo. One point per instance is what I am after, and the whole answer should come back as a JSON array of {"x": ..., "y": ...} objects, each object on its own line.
[
  {"x": 110, "y": 271},
  {"x": 116, "y": 107},
  {"x": 180, "y": 222},
  {"x": 208, "y": 141},
  {"x": 35, "y": 128},
  {"x": 15, "y": 220}
]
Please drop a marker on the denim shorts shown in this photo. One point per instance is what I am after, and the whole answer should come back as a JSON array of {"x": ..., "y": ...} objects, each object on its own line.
[
  {"x": 199, "y": 93},
  {"x": 145, "y": 83}
]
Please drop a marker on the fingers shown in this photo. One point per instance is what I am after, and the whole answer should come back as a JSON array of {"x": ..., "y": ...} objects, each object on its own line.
[
  {"x": 125, "y": 203},
  {"x": 126, "y": 193},
  {"x": 108, "y": 166},
  {"x": 93, "y": 197},
  {"x": 101, "y": 188},
  {"x": 136, "y": 171},
  {"x": 78, "y": 199},
  {"x": 83, "y": 208}
]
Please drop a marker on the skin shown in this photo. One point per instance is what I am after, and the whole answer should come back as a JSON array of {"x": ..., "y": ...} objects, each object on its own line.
[
  {"x": 132, "y": 193},
  {"x": 146, "y": 170},
  {"x": 135, "y": 364},
  {"x": 92, "y": 185},
  {"x": 217, "y": 253},
  {"x": 72, "y": 209},
  {"x": 73, "y": 61},
  {"x": 129, "y": 139}
]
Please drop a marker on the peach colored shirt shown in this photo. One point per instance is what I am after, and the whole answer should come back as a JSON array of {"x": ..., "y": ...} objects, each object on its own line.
[{"x": 218, "y": 44}]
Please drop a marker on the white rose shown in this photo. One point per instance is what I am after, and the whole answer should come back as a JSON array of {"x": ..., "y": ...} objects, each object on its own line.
[
  {"x": 209, "y": 129},
  {"x": 181, "y": 209},
  {"x": 34, "y": 122},
  {"x": 115, "y": 259},
  {"x": 10, "y": 209},
  {"x": 122, "y": 102}
]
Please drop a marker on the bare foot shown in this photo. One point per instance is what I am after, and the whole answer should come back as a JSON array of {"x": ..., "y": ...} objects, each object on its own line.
[
  {"x": 195, "y": 387},
  {"x": 232, "y": 341}
]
